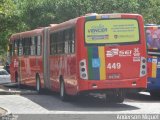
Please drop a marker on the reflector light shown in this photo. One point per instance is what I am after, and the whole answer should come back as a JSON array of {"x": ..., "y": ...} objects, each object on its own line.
[
  {"x": 143, "y": 68},
  {"x": 83, "y": 75},
  {"x": 143, "y": 72},
  {"x": 82, "y": 63},
  {"x": 143, "y": 60},
  {"x": 83, "y": 69}
]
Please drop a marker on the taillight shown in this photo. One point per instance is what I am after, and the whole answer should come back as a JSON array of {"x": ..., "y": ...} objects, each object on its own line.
[
  {"x": 83, "y": 69},
  {"x": 143, "y": 67}
]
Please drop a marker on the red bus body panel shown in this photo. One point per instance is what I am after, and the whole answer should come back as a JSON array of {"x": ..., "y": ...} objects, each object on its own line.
[{"x": 27, "y": 66}]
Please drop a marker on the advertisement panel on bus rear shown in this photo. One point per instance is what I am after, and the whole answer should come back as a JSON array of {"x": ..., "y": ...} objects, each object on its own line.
[{"x": 112, "y": 31}]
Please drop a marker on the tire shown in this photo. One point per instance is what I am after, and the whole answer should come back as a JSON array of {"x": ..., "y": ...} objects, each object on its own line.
[
  {"x": 38, "y": 84},
  {"x": 16, "y": 77},
  {"x": 63, "y": 95},
  {"x": 119, "y": 98},
  {"x": 115, "y": 97},
  {"x": 17, "y": 80}
]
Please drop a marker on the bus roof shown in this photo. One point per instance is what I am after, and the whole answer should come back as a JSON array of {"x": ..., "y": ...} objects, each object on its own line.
[
  {"x": 72, "y": 22},
  {"x": 69, "y": 23},
  {"x": 26, "y": 33},
  {"x": 63, "y": 25}
]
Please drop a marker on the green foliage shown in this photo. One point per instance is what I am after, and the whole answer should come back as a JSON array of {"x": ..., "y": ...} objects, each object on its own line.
[
  {"x": 37, "y": 13},
  {"x": 67, "y": 9},
  {"x": 10, "y": 22},
  {"x": 6, "y": 22},
  {"x": 21, "y": 15}
]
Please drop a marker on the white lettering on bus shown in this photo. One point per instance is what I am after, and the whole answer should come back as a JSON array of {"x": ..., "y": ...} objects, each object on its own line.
[{"x": 114, "y": 66}]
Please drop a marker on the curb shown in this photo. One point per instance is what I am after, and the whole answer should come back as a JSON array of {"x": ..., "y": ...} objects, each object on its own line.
[
  {"x": 12, "y": 89},
  {"x": 8, "y": 113},
  {"x": 14, "y": 92}
]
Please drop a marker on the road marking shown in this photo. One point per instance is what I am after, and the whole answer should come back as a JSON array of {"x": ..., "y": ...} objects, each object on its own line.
[{"x": 71, "y": 112}]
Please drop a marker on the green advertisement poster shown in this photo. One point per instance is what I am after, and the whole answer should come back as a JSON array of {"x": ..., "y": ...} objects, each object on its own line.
[{"x": 111, "y": 31}]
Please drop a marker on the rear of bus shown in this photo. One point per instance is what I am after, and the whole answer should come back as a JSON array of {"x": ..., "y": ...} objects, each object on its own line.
[
  {"x": 153, "y": 64},
  {"x": 111, "y": 53}
]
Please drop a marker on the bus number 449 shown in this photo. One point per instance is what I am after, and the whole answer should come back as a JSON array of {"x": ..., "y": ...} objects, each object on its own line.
[{"x": 114, "y": 66}]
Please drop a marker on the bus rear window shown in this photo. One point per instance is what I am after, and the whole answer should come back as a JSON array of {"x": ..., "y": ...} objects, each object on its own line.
[{"x": 112, "y": 31}]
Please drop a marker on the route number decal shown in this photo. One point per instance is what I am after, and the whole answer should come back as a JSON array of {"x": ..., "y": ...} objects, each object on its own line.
[{"x": 114, "y": 66}]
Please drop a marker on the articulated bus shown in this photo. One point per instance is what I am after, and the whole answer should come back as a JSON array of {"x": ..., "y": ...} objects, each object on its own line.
[
  {"x": 153, "y": 48},
  {"x": 26, "y": 57},
  {"x": 102, "y": 53}
]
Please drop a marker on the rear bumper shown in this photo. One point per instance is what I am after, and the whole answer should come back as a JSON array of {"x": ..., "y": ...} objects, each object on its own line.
[{"x": 89, "y": 85}]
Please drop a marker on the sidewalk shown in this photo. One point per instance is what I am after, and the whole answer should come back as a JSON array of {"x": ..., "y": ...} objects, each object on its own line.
[
  {"x": 6, "y": 115},
  {"x": 3, "y": 112},
  {"x": 11, "y": 89}
]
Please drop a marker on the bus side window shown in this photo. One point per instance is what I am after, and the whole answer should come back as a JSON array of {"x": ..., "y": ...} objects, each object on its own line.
[
  {"x": 33, "y": 47},
  {"x": 23, "y": 46},
  {"x": 38, "y": 45},
  {"x": 66, "y": 36},
  {"x": 15, "y": 50},
  {"x": 20, "y": 48},
  {"x": 60, "y": 43},
  {"x": 71, "y": 41},
  {"x": 53, "y": 43},
  {"x": 26, "y": 45}
]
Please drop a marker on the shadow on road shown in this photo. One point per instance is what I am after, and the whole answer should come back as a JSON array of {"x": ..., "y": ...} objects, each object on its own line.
[
  {"x": 51, "y": 101},
  {"x": 83, "y": 103},
  {"x": 142, "y": 97}
]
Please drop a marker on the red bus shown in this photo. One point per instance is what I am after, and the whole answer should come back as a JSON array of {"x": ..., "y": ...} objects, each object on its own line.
[{"x": 104, "y": 53}]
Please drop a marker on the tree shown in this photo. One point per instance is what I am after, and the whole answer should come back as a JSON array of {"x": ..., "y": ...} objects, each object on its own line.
[
  {"x": 10, "y": 22},
  {"x": 40, "y": 13},
  {"x": 22, "y": 15},
  {"x": 6, "y": 9},
  {"x": 37, "y": 13}
]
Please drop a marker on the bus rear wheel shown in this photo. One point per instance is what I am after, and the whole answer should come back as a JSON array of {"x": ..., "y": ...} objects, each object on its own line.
[
  {"x": 119, "y": 97},
  {"x": 63, "y": 95},
  {"x": 115, "y": 97},
  {"x": 38, "y": 85}
]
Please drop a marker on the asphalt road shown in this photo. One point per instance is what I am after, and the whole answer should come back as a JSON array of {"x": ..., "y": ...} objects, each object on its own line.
[{"x": 37, "y": 107}]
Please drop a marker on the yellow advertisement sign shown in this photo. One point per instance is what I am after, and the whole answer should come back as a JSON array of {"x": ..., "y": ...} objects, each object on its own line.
[{"x": 112, "y": 31}]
